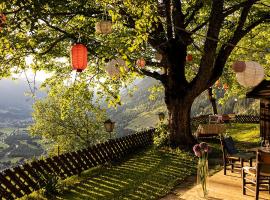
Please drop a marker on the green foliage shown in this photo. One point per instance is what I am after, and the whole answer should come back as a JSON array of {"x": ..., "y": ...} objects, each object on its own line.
[
  {"x": 161, "y": 135},
  {"x": 69, "y": 118},
  {"x": 50, "y": 186}
]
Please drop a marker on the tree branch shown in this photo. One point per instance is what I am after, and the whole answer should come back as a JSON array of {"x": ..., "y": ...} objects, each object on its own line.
[
  {"x": 169, "y": 19},
  {"x": 227, "y": 48},
  {"x": 236, "y": 7},
  {"x": 198, "y": 5},
  {"x": 154, "y": 75},
  {"x": 199, "y": 83},
  {"x": 60, "y": 30},
  {"x": 199, "y": 27},
  {"x": 53, "y": 45}
]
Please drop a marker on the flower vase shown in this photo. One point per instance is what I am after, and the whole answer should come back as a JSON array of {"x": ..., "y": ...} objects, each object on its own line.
[{"x": 202, "y": 175}]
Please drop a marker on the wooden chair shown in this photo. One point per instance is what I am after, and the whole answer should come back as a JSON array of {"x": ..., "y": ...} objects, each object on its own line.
[
  {"x": 232, "y": 157},
  {"x": 259, "y": 175}
]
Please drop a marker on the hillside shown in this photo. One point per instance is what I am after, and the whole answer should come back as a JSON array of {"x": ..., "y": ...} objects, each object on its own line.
[{"x": 14, "y": 103}]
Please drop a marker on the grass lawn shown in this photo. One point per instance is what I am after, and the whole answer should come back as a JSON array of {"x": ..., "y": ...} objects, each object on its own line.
[{"x": 149, "y": 174}]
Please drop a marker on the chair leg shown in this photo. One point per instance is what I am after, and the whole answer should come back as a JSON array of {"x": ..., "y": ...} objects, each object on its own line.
[
  {"x": 225, "y": 166},
  {"x": 242, "y": 164},
  {"x": 269, "y": 186},
  {"x": 244, "y": 181},
  {"x": 257, "y": 189}
]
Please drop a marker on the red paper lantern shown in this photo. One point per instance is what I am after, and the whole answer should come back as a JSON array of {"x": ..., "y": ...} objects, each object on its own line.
[
  {"x": 3, "y": 20},
  {"x": 225, "y": 86},
  {"x": 189, "y": 58},
  {"x": 79, "y": 57},
  {"x": 239, "y": 66},
  {"x": 140, "y": 63}
]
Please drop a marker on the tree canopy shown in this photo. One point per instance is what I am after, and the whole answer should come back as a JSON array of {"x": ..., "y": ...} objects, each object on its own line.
[
  {"x": 69, "y": 118},
  {"x": 214, "y": 32}
]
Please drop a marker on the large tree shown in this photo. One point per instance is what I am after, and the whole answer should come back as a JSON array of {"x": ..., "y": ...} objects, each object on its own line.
[{"x": 209, "y": 29}]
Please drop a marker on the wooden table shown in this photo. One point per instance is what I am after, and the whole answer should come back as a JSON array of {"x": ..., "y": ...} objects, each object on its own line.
[{"x": 255, "y": 149}]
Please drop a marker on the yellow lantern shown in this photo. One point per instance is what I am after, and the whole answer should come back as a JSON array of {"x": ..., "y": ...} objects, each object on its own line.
[{"x": 103, "y": 27}]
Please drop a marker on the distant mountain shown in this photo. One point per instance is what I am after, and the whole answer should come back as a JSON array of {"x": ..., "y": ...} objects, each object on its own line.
[{"x": 14, "y": 103}]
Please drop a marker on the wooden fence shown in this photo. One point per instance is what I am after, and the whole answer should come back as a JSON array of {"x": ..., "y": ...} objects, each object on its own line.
[
  {"x": 25, "y": 179},
  {"x": 203, "y": 119}
]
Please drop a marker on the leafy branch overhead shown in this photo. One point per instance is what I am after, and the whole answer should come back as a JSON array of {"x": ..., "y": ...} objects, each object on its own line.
[{"x": 214, "y": 32}]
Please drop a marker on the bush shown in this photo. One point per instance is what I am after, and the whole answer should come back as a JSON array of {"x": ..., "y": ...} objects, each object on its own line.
[
  {"x": 50, "y": 185},
  {"x": 161, "y": 135}
]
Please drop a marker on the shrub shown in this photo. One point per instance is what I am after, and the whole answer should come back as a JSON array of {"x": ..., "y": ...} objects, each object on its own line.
[{"x": 161, "y": 135}]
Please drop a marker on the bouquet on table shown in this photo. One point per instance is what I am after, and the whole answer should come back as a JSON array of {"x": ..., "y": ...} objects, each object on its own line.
[{"x": 201, "y": 151}]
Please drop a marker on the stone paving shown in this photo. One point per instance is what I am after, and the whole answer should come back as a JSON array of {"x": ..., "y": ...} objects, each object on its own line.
[{"x": 220, "y": 187}]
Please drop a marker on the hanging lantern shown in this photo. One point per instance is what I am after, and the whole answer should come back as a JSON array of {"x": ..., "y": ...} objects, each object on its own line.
[
  {"x": 140, "y": 63},
  {"x": 189, "y": 58},
  {"x": 239, "y": 66},
  {"x": 217, "y": 83},
  {"x": 103, "y": 27},
  {"x": 158, "y": 57},
  {"x": 161, "y": 116},
  {"x": 225, "y": 86},
  {"x": 3, "y": 20},
  {"x": 115, "y": 67},
  {"x": 79, "y": 57},
  {"x": 252, "y": 75}
]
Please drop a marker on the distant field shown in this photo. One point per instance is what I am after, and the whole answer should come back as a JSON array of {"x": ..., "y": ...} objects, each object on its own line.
[
  {"x": 7, "y": 130},
  {"x": 3, "y": 145}
]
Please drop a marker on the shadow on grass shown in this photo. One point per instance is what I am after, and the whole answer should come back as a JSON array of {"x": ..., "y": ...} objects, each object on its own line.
[{"x": 147, "y": 175}]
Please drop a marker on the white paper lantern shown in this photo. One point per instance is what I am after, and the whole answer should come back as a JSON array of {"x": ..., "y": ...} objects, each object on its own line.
[
  {"x": 114, "y": 67},
  {"x": 252, "y": 75}
]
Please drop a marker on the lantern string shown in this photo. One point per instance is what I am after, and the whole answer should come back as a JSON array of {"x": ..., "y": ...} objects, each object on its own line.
[{"x": 79, "y": 41}]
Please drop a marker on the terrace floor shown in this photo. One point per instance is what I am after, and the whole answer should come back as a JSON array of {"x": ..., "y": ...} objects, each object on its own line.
[{"x": 220, "y": 187}]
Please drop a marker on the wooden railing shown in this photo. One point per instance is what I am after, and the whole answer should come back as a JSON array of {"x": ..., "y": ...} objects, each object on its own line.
[
  {"x": 25, "y": 179},
  {"x": 203, "y": 119}
]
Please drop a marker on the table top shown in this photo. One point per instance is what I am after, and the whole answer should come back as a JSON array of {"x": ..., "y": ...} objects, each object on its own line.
[{"x": 255, "y": 149}]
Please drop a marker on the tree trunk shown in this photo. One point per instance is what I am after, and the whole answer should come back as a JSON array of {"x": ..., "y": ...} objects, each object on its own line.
[
  {"x": 179, "y": 122},
  {"x": 212, "y": 100}
]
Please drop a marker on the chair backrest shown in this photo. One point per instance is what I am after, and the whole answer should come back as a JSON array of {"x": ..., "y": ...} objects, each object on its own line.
[
  {"x": 229, "y": 145},
  {"x": 263, "y": 162}
]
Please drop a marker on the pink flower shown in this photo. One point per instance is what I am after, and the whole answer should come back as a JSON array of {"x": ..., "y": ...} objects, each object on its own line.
[
  {"x": 204, "y": 146},
  {"x": 197, "y": 150}
]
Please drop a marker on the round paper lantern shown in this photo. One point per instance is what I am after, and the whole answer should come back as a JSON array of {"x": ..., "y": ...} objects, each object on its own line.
[
  {"x": 217, "y": 83},
  {"x": 140, "y": 63},
  {"x": 3, "y": 18},
  {"x": 189, "y": 58},
  {"x": 252, "y": 76},
  {"x": 103, "y": 27},
  {"x": 225, "y": 86},
  {"x": 79, "y": 57},
  {"x": 239, "y": 66},
  {"x": 115, "y": 66},
  {"x": 158, "y": 57}
]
